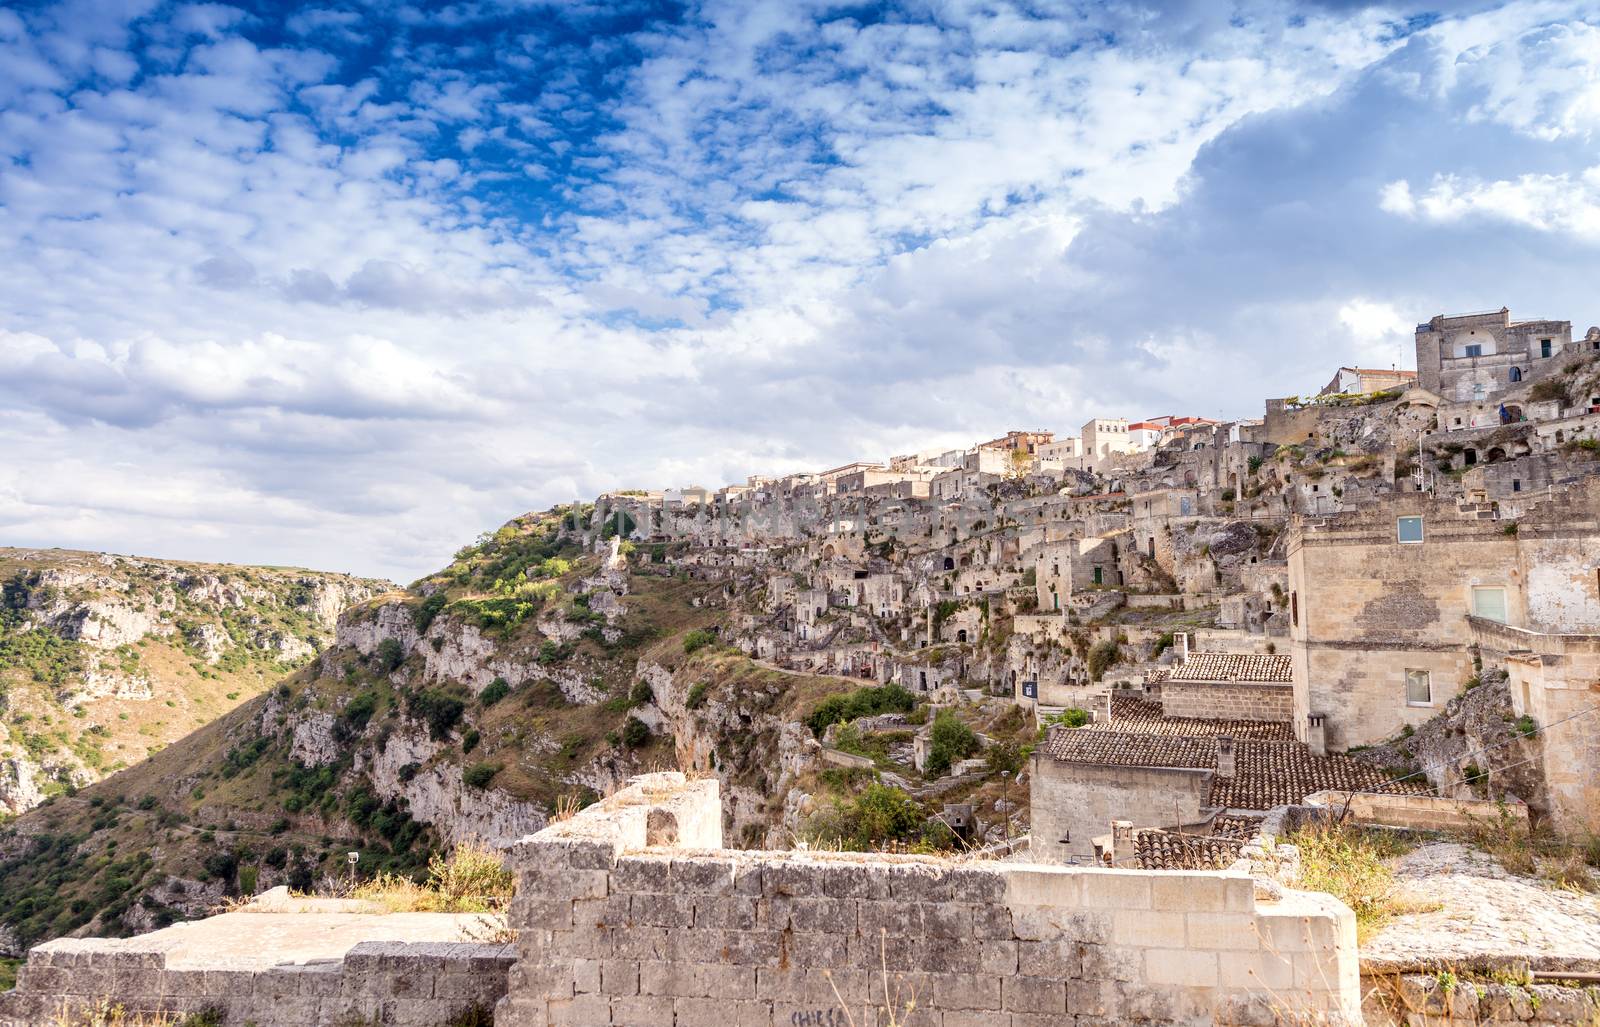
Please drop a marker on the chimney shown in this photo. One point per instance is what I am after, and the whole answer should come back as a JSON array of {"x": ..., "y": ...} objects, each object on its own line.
[
  {"x": 1182, "y": 639},
  {"x": 1317, "y": 734},
  {"x": 1122, "y": 850},
  {"x": 1108, "y": 706},
  {"x": 1225, "y": 757}
]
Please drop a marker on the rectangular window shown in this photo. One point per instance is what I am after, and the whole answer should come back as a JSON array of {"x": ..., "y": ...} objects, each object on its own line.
[
  {"x": 1294, "y": 608},
  {"x": 1474, "y": 350},
  {"x": 1544, "y": 347},
  {"x": 1408, "y": 529},
  {"x": 1489, "y": 603},
  {"x": 1516, "y": 484},
  {"x": 1419, "y": 688}
]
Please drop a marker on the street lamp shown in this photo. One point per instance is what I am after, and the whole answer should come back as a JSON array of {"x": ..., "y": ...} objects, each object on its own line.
[
  {"x": 1005, "y": 803},
  {"x": 352, "y": 858}
]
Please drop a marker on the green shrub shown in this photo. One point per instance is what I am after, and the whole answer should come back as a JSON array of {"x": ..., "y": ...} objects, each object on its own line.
[
  {"x": 697, "y": 695},
  {"x": 950, "y": 740},
  {"x": 635, "y": 733},
  {"x": 428, "y": 610},
  {"x": 480, "y": 774},
  {"x": 863, "y": 702},
  {"x": 697, "y": 640},
  {"x": 469, "y": 740},
  {"x": 440, "y": 710},
  {"x": 1102, "y": 657},
  {"x": 389, "y": 655},
  {"x": 879, "y": 816},
  {"x": 640, "y": 694},
  {"x": 1527, "y": 725},
  {"x": 494, "y": 692}
]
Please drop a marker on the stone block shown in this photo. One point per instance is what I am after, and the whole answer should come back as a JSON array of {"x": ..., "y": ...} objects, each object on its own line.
[
  {"x": 1181, "y": 967},
  {"x": 702, "y": 875},
  {"x": 1235, "y": 931},
  {"x": 1033, "y": 995},
  {"x": 853, "y": 881},
  {"x": 708, "y": 1012},
  {"x": 808, "y": 914},
  {"x": 893, "y": 919},
  {"x": 962, "y": 1018},
  {"x": 966, "y": 991},
  {"x": 1091, "y": 998},
  {"x": 947, "y": 920},
  {"x": 729, "y": 912},
  {"x": 651, "y": 909},
  {"x": 918, "y": 882},
  {"x": 992, "y": 922},
  {"x": 1149, "y": 929},
  {"x": 795, "y": 879},
  {"x": 611, "y": 911},
  {"x": 1050, "y": 887},
  {"x": 718, "y": 981},
  {"x": 657, "y": 977},
  {"x": 977, "y": 884},
  {"x": 641, "y": 873},
  {"x": 1116, "y": 889},
  {"x": 1256, "y": 970},
  {"x": 816, "y": 949},
  {"x": 580, "y": 1011},
  {"x": 1058, "y": 959},
  {"x": 640, "y": 943},
  {"x": 643, "y": 1011},
  {"x": 1104, "y": 963},
  {"x": 1182, "y": 892},
  {"x": 619, "y": 977}
]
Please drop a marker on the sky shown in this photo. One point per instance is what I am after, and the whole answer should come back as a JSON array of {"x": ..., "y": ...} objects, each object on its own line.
[{"x": 341, "y": 285}]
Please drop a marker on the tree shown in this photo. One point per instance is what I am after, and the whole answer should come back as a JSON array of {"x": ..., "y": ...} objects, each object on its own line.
[{"x": 950, "y": 740}]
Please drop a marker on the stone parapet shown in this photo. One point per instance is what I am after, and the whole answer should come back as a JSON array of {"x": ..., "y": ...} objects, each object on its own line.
[
  {"x": 616, "y": 933},
  {"x": 405, "y": 984}
]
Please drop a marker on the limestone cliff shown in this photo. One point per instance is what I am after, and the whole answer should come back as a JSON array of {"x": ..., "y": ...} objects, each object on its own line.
[{"x": 105, "y": 659}]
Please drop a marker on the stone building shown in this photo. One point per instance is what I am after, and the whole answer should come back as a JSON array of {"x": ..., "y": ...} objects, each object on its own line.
[
  {"x": 1477, "y": 357},
  {"x": 1380, "y": 599},
  {"x": 1360, "y": 380}
]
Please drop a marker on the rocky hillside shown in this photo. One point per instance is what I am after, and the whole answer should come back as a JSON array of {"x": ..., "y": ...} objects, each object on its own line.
[
  {"x": 536, "y": 672},
  {"x": 107, "y": 659}
]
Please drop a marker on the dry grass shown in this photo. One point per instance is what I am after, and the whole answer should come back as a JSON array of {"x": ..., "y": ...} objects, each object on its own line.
[
  {"x": 1348, "y": 863},
  {"x": 1537, "y": 852},
  {"x": 471, "y": 879},
  {"x": 106, "y": 1013}
]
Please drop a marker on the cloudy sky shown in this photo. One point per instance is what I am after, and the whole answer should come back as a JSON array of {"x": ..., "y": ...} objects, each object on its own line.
[{"x": 341, "y": 285}]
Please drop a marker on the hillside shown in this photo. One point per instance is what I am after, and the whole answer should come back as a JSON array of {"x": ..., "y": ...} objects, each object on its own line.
[
  {"x": 514, "y": 683},
  {"x": 107, "y": 659}
]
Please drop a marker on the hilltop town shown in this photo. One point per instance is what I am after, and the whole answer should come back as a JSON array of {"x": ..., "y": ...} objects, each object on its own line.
[{"x": 1045, "y": 728}]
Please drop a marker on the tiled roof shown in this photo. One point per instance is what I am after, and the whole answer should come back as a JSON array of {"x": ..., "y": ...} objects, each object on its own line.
[
  {"x": 1229, "y": 825},
  {"x": 1136, "y": 716},
  {"x": 1117, "y": 748},
  {"x": 1169, "y": 850},
  {"x": 1266, "y": 773},
  {"x": 1232, "y": 667}
]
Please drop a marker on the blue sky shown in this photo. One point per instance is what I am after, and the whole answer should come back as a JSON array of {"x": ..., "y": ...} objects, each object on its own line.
[{"x": 343, "y": 284}]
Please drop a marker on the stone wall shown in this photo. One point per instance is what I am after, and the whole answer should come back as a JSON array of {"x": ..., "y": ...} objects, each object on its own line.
[
  {"x": 1420, "y": 812},
  {"x": 393, "y": 983},
  {"x": 1074, "y": 803},
  {"x": 1236, "y": 701},
  {"x": 620, "y": 925}
]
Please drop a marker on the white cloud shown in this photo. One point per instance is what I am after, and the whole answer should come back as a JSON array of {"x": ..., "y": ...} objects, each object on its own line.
[{"x": 1564, "y": 203}]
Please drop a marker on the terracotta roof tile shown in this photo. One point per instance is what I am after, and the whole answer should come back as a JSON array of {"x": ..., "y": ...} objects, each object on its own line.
[
  {"x": 1137, "y": 716},
  {"x": 1266, "y": 773},
  {"x": 1235, "y": 667},
  {"x": 1169, "y": 850}
]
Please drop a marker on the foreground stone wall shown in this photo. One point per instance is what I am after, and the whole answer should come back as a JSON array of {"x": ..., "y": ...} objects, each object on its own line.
[
  {"x": 621, "y": 923},
  {"x": 393, "y": 983}
]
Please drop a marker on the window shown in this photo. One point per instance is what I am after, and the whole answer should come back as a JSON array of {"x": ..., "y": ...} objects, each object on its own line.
[
  {"x": 1489, "y": 603},
  {"x": 1474, "y": 350},
  {"x": 1516, "y": 374},
  {"x": 1516, "y": 484},
  {"x": 1419, "y": 688},
  {"x": 1098, "y": 576},
  {"x": 1544, "y": 347},
  {"x": 1408, "y": 529},
  {"x": 1294, "y": 608}
]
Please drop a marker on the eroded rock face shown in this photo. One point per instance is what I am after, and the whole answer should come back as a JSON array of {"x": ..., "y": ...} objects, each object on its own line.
[{"x": 437, "y": 795}]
